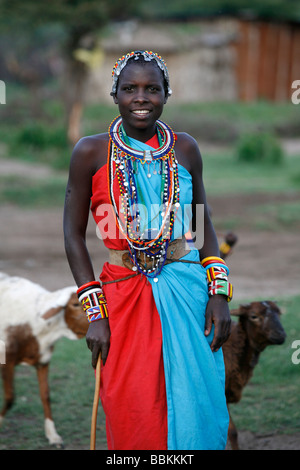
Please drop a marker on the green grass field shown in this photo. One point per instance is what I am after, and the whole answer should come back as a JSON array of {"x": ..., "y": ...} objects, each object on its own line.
[{"x": 43, "y": 141}]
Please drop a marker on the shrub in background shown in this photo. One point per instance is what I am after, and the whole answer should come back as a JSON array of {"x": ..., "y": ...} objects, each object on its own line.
[
  {"x": 42, "y": 136},
  {"x": 259, "y": 147}
]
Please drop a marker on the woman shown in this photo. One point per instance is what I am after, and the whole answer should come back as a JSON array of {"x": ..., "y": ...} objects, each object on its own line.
[{"x": 161, "y": 315}]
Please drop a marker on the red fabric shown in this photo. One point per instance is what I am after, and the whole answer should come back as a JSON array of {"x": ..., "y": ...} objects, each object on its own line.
[
  {"x": 153, "y": 142},
  {"x": 102, "y": 211},
  {"x": 132, "y": 381}
]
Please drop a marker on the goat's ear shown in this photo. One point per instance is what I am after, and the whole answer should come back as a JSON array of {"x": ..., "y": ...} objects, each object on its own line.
[
  {"x": 61, "y": 299},
  {"x": 51, "y": 312},
  {"x": 241, "y": 310}
]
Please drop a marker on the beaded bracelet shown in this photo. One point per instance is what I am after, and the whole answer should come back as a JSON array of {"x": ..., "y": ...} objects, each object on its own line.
[
  {"x": 217, "y": 277},
  {"x": 212, "y": 261},
  {"x": 93, "y": 301},
  {"x": 221, "y": 287},
  {"x": 215, "y": 273}
]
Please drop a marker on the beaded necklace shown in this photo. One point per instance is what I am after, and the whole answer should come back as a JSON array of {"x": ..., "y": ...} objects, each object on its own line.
[{"x": 147, "y": 252}]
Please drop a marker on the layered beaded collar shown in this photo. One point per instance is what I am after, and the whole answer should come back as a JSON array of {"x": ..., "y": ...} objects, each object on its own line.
[
  {"x": 163, "y": 152},
  {"x": 121, "y": 161}
]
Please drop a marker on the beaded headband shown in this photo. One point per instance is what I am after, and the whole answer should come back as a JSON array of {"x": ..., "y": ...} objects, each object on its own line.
[{"x": 148, "y": 56}]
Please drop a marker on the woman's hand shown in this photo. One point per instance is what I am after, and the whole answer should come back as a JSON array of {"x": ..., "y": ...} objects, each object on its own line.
[
  {"x": 98, "y": 340},
  {"x": 217, "y": 312}
]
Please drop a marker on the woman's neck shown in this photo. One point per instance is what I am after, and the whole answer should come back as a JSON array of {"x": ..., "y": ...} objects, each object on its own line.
[{"x": 143, "y": 135}]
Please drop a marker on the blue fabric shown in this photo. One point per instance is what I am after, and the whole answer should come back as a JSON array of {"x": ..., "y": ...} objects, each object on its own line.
[
  {"x": 151, "y": 188},
  {"x": 195, "y": 376}
]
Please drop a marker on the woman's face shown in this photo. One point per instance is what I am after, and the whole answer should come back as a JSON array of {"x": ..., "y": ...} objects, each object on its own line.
[{"x": 141, "y": 97}]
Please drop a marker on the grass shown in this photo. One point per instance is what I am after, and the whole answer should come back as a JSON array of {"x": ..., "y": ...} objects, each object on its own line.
[
  {"x": 224, "y": 175},
  {"x": 27, "y": 192},
  {"x": 39, "y": 137},
  {"x": 270, "y": 403},
  {"x": 221, "y": 171},
  {"x": 37, "y": 132},
  {"x": 41, "y": 142},
  {"x": 277, "y": 216},
  {"x": 71, "y": 381}
]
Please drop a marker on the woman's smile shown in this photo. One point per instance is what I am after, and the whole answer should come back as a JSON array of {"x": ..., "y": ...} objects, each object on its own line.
[{"x": 141, "y": 112}]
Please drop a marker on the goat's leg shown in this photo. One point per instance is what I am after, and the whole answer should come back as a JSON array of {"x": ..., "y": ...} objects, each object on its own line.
[
  {"x": 233, "y": 435},
  {"x": 50, "y": 431},
  {"x": 7, "y": 372}
]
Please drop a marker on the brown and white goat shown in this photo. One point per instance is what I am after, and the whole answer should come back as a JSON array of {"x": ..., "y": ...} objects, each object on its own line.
[
  {"x": 32, "y": 319},
  {"x": 258, "y": 327}
]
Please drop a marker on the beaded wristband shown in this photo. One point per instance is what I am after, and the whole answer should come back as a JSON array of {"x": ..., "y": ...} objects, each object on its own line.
[
  {"x": 215, "y": 273},
  {"x": 93, "y": 301},
  {"x": 213, "y": 260},
  {"x": 221, "y": 287},
  {"x": 217, "y": 277}
]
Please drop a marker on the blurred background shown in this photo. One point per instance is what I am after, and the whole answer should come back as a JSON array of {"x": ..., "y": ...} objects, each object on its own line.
[{"x": 234, "y": 67}]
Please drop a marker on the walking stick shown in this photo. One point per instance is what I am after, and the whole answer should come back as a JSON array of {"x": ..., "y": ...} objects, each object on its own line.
[{"x": 95, "y": 405}]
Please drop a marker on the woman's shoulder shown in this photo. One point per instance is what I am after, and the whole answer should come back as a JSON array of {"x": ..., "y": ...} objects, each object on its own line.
[
  {"x": 184, "y": 138},
  {"x": 186, "y": 141},
  {"x": 91, "y": 150},
  {"x": 187, "y": 151},
  {"x": 91, "y": 143}
]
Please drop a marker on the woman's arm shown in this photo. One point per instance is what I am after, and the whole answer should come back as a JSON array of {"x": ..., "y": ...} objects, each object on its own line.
[
  {"x": 217, "y": 310},
  {"x": 83, "y": 165}
]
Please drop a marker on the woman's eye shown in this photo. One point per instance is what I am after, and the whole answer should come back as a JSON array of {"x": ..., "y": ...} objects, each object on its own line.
[{"x": 128, "y": 88}]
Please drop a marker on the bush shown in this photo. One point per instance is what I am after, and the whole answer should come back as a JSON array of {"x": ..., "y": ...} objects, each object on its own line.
[
  {"x": 259, "y": 147},
  {"x": 41, "y": 136}
]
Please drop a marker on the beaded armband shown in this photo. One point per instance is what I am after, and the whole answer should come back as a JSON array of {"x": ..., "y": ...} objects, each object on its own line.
[
  {"x": 217, "y": 277},
  {"x": 93, "y": 301}
]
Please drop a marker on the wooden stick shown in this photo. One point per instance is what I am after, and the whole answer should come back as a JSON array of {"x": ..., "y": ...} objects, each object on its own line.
[{"x": 95, "y": 405}]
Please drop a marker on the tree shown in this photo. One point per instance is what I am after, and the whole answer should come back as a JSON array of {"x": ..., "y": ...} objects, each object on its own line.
[
  {"x": 82, "y": 21},
  {"x": 286, "y": 10}
]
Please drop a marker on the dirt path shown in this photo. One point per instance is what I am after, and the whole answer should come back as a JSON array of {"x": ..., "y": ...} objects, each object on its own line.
[{"x": 263, "y": 264}]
